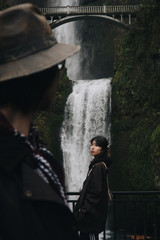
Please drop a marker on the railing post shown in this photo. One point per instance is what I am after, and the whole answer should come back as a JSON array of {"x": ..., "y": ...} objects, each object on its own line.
[
  {"x": 121, "y": 17},
  {"x": 145, "y": 220},
  {"x": 104, "y": 235},
  {"x": 135, "y": 215},
  {"x": 155, "y": 222},
  {"x": 125, "y": 220},
  {"x": 129, "y": 15},
  {"x": 104, "y": 8},
  {"x": 68, "y": 9},
  {"x": 114, "y": 220}
]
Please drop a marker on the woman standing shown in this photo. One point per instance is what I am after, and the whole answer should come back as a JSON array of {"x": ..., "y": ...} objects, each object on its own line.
[{"x": 92, "y": 206}]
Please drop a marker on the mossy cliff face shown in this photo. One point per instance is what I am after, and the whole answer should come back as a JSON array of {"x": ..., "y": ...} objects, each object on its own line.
[{"x": 136, "y": 105}]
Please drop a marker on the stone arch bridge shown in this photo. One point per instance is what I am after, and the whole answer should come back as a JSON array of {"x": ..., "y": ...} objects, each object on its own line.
[{"x": 116, "y": 14}]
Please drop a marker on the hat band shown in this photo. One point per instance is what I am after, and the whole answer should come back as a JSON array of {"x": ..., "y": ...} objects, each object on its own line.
[{"x": 27, "y": 49}]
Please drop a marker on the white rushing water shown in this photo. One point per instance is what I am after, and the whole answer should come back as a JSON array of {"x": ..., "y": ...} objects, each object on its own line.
[
  {"x": 87, "y": 114},
  {"x": 68, "y": 33}
]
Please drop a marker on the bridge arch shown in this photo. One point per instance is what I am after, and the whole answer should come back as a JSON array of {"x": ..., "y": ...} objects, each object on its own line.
[{"x": 64, "y": 20}]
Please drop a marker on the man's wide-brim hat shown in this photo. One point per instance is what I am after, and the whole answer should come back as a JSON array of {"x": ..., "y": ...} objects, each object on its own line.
[{"x": 27, "y": 44}]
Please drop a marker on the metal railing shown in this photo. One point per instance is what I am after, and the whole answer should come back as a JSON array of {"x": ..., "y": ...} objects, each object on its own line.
[
  {"x": 133, "y": 215},
  {"x": 72, "y": 10}
]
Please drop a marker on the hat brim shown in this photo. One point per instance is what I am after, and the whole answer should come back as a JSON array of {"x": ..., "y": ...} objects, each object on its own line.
[{"x": 37, "y": 62}]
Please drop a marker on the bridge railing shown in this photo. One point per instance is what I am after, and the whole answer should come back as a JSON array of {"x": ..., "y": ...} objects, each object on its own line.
[
  {"x": 133, "y": 215},
  {"x": 70, "y": 10}
]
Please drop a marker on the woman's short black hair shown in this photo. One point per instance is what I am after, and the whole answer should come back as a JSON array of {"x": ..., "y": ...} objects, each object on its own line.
[
  {"x": 105, "y": 154},
  {"x": 101, "y": 142},
  {"x": 26, "y": 93}
]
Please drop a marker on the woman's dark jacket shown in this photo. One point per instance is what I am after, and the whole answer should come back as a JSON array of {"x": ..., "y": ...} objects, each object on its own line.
[
  {"x": 29, "y": 208},
  {"x": 92, "y": 206}
]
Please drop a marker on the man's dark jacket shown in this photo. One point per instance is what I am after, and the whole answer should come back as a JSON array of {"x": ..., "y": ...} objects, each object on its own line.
[{"x": 29, "y": 208}]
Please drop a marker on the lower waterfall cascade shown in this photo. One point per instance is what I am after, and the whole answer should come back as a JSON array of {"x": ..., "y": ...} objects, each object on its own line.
[{"x": 87, "y": 114}]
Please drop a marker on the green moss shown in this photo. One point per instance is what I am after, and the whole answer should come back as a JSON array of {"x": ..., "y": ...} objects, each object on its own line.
[
  {"x": 139, "y": 164},
  {"x": 136, "y": 104}
]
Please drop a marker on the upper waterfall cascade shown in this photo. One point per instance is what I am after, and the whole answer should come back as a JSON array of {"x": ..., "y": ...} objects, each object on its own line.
[
  {"x": 67, "y": 34},
  {"x": 87, "y": 114}
]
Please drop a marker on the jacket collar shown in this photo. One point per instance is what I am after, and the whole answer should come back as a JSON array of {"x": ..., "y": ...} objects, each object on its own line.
[{"x": 105, "y": 159}]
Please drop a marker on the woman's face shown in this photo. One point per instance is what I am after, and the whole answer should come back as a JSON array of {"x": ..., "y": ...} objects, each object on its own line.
[{"x": 94, "y": 149}]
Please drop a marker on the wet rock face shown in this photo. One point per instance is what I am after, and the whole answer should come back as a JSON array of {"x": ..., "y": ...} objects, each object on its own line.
[
  {"x": 136, "y": 105},
  {"x": 97, "y": 48}
]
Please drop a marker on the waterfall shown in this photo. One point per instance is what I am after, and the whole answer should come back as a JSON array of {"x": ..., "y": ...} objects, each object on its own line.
[
  {"x": 87, "y": 111},
  {"x": 87, "y": 114}
]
